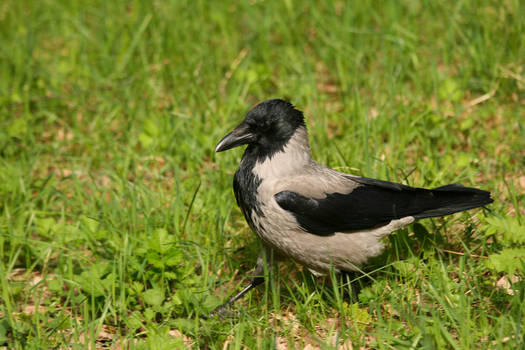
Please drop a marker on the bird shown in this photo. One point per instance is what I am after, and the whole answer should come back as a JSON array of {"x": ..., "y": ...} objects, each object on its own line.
[{"x": 321, "y": 218}]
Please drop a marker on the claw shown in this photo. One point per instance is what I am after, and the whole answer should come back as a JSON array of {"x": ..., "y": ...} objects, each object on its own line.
[{"x": 219, "y": 311}]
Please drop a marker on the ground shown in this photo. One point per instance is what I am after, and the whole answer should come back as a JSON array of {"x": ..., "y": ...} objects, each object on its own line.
[{"x": 118, "y": 225}]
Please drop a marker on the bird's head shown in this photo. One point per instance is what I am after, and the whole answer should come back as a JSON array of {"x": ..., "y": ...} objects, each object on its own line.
[{"x": 266, "y": 128}]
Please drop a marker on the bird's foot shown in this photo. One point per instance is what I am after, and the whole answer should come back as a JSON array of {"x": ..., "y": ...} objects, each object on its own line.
[{"x": 219, "y": 312}]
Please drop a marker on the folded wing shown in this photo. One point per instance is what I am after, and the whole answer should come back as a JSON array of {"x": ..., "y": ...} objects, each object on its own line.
[{"x": 376, "y": 202}]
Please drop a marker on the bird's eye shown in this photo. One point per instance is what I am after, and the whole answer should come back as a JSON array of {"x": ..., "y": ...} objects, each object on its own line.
[{"x": 265, "y": 126}]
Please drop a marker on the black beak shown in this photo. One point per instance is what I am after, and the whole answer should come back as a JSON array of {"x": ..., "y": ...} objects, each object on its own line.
[{"x": 241, "y": 135}]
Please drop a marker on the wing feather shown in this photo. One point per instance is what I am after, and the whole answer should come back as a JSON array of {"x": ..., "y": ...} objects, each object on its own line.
[{"x": 376, "y": 202}]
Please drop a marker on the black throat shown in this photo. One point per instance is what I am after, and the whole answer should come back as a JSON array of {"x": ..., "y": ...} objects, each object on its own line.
[{"x": 245, "y": 186}]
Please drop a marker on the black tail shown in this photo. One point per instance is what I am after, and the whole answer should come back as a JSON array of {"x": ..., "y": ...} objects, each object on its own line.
[{"x": 451, "y": 199}]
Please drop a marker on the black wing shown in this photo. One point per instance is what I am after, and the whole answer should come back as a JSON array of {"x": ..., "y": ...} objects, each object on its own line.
[{"x": 377, "y": 202}]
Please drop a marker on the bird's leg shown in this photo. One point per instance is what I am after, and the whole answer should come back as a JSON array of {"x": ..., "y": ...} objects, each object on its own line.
[
  {"x": 221, "y": 309},
  {"x": 257, "y": 279}
]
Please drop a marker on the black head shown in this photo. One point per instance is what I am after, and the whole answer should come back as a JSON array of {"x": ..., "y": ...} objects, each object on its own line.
[{"x": 266, "y": 128}]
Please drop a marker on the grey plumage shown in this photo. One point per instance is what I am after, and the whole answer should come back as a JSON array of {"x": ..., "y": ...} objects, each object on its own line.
[{"x": 315, "y": 215}]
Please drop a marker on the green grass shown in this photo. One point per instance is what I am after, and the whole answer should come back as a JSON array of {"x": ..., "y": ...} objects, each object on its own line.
[{"x": 118, "y": 225}]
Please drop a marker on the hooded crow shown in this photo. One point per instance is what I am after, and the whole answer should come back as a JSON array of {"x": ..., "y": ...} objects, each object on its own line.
[{"x": 317, "y": 216}]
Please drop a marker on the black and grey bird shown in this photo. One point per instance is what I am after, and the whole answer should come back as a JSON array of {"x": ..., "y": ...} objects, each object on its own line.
[{"x": 317, "y": 216}]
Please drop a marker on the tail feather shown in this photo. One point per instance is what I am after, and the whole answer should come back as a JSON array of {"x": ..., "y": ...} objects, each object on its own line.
[{"x": 454, "y": 198}]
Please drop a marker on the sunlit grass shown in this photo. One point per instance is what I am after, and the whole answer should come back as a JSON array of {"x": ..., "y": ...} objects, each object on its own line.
[{"x": 118, "y": 223}]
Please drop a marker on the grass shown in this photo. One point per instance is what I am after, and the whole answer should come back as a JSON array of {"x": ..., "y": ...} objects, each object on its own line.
[{"x": 118, "y": 225}]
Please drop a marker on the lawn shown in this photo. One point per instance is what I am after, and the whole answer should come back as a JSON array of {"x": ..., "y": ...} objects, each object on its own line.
[{"x": 118, "y": 223}]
